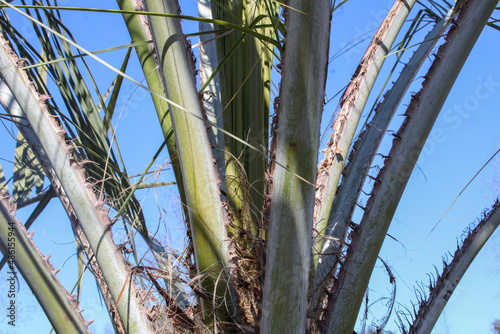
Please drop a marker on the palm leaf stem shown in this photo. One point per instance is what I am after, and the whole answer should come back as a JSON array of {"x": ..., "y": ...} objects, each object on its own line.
[
  {"x": 289, "y": 240},
  {"x": 424, "y": 108},
  {"x": 17, "y": 245},
  {"x": 201, "y": 184},
  {"x": 360, "y": 160},
  {"x": 94, "y": 221}
]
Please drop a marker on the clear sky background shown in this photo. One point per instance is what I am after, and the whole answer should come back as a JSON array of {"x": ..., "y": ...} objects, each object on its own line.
[{"x": 463, "y": 139}]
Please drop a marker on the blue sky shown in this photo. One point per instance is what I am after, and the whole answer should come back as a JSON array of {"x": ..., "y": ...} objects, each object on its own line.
[{"x": 464, "y": 137}]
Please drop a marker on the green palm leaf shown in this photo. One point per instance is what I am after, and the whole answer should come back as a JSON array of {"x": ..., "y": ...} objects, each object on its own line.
[{"x": 28, "y": 172}]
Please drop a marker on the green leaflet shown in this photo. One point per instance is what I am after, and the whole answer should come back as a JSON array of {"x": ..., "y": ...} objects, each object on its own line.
[
  {"x": 28, "y": 172},
  {"x": 3, "y": 183}
]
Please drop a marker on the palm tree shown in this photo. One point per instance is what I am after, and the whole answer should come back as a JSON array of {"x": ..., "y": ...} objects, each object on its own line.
[{"x": 273, "y": 243}]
